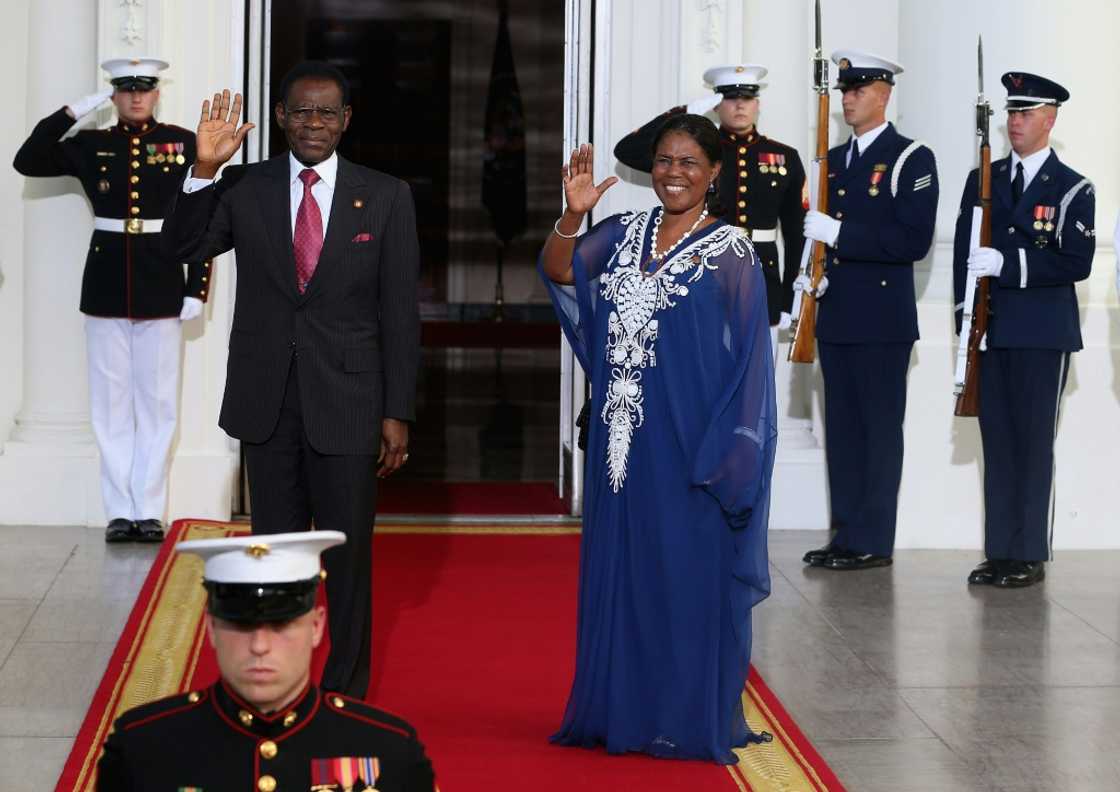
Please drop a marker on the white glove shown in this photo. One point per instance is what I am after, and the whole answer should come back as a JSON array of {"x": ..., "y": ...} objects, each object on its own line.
[
  {"x": 804, "y": 283},
  {"x": 822, "y": 228},
  {"x": 192, "y": 308},
  {"x": 784, "y": 321},
  {"x": 704, "y": 103},
  {"x": 87, "y": 104},
  {"x": 985, "y": 262}
]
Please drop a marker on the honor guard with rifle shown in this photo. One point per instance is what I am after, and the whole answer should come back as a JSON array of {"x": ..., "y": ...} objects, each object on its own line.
[
  {"x": 133, "y": 296},
  {"x": 761, "y": 183},
  {"x": 1042, "y": 241},
  {"x": 882, "y": 205}
]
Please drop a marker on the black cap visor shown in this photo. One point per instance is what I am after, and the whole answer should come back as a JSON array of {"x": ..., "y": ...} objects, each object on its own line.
[
  {"x": 738, "y": 91},
  {"x": 261, "y": 603},
  {"x": 847, "y": 79},
  {"x": 135, "y": 83}
]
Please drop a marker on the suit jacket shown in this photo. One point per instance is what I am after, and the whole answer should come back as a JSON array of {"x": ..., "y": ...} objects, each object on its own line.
[
  {"x": 1033, "y": 302},
  {"x": 126, "y": 172},
  {"x": 354, "y": 332},
  {"x": 212, "y": 740},
  {"x": 870, "y": 297},
  {"x": 755, "y": 194}
]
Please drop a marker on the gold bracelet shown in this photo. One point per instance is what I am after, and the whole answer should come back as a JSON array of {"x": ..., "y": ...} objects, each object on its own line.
[{"x": 556, "y": 230}]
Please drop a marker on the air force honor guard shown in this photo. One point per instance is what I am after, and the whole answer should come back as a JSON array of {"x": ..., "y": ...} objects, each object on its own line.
[
  {"x": 1043, "y": 239},
  {"x": 762, "y": 181},
  {"x": 883, "y": 204},
  {"x": 133, "y": 297},
  {"x": 264, "y": 725}
]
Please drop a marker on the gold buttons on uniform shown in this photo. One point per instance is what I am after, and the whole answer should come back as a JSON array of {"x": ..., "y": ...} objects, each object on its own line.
[
  {"x": 193, "y": 697},
  {"x": 266, "y": 783},
  {"x": 742, "y": 204},
  {"x": 338, "y": 702},
  {"x": 841, "y": 191},
  {"x": 245, "y": 717},
  {"x": 104, "y": 168},
  {"x": 136, "y": 152},
  {"x": 136, "y": 141},
  {"x": 204, "y": 279},
  {"x": 134, "y": 164},
  {"x": 882, "y": 283},
  {"x": 135, "y": 195},
  {"x": 134, "y": 178},
  {"x": 289, "y": 719},
  {"x": 135, "y": 210},
  {"x": 742, "y": 149},
  {"x": 839, "y": 215},
  {"x": 742, "y": 163},
  {"x": 202, "y": 294},
  {"x": 268, "y": 749},
  {"x": 742, "y": 188},
  {"x": 742, "y": 218},
  {"x": 743, "y": 174}
]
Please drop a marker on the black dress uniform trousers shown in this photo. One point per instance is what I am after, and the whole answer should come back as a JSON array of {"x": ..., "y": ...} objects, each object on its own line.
[
  {"x": 864, "y": 407},
  {"x": 288, "y": 482},
  {"x": 1020, "y": 393}
]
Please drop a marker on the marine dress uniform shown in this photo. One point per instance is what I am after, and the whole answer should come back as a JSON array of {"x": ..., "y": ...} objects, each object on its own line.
[
  {"x": 214, "y": 740},
  {"x": 883, "y": 203},
  {"x": 132, "y": 295},
  {"x": 761, "y": 183},
  {"x": 1043, "y": 240}
]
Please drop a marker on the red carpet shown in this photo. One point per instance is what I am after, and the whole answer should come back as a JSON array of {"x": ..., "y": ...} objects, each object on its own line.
[
  {"x": 404, "y": 496},
  {"x": 474, "y": 644}
]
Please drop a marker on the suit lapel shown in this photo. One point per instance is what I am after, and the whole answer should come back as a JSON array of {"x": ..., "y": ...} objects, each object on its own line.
[
  {"x": 347, "y": 210},
  {"x": 276, "y": 204}
]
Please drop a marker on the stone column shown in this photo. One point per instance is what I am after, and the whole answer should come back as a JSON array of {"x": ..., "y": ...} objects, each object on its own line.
[{"x": 57, "y": 227}]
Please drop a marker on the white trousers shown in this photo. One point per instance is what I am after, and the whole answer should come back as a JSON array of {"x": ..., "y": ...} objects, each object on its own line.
[{"x": 134, "y": 401}]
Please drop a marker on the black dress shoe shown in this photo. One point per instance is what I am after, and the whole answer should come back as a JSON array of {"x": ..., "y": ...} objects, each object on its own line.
[
  {"x": 149, "y": 531},
  {"x": 816, "y": 557},
  {"x": 1020, "y": 574},
  {"x": 846, "y": 561},
  {"x": 119, "y": 530},
  {"x": 985, "y": 574}
]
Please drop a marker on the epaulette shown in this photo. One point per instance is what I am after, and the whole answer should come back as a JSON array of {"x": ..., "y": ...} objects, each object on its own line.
[
  {"x": 160, "y": 708},
  {"x": 361, "y": 711}
]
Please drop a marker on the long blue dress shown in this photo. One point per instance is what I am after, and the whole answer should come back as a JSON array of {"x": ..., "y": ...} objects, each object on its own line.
[{"x": 676, "y": 500}]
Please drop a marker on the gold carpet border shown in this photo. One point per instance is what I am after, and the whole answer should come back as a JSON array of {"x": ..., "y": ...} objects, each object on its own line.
[
  {"x": 162, "y": 652},
  {"x": 771, "y": 766}
]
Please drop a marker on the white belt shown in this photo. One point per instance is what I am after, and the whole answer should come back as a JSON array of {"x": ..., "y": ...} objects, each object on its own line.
[
  {"x": 134, "y": 225},
  {"x": 764, "y": 235}
]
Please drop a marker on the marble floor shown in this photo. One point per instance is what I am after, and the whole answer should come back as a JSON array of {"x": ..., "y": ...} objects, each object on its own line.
[{"x": 904, "y": 679}]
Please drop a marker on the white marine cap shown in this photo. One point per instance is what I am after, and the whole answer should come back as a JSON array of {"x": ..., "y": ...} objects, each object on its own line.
[
  {"x": 858, "y": 68},
  {"x": 262, "y": 558},
  {"x": 742, "y": 79},
  {"x": 134, "y": 73}
]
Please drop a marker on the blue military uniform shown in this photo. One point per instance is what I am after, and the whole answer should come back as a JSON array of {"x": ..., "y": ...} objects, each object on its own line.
[
  {"x": 886, "y": 203},
  {"x": 1047, "y": 240}
]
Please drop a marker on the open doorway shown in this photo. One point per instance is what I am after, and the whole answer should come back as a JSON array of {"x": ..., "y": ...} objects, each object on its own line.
[{"x": 486, "y": 438}]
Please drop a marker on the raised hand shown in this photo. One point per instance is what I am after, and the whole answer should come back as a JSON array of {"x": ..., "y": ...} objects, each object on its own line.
[
  {"x": 580, "y": 191},
  {"x": 218, "y": 136}
]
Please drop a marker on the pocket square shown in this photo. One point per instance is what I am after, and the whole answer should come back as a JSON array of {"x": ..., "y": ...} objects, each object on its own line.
[{"x": 362, "y": 237}]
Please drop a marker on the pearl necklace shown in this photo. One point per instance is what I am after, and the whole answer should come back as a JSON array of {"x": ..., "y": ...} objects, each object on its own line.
[{"x": 659, "y": 257}]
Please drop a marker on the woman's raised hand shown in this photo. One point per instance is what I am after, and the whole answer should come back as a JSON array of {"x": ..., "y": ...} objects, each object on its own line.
[{"x": 580, "y": 191}]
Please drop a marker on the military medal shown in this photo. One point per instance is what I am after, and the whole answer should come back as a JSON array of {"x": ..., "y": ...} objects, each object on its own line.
[
  {"x": 179, "y": 158},
  {"x": 782, "y": 164},
  {"x": 763, "y": 162},
  {"x": 151, "y": 153},
  {"x": 876, "y": 177},
  {"x": 1049, "y": 226}
]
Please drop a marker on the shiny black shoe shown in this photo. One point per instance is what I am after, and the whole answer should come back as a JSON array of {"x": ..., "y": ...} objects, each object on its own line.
[
  {"x": 119, "y": 530},
  {"x": 1020, "y": 574},
  {"x": 815, "y": 558},
  {"x": 985, "y": 574},
  {"x": 149, "y": 531},
  {"x": 847, "y": 561}
]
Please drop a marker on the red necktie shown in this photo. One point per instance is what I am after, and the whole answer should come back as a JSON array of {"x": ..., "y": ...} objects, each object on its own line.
[{"x": 308, "y": 239}]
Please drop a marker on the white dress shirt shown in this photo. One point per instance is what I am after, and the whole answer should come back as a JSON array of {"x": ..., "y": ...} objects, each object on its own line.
[
  {"x": 864, "y": 142},
  {"x": 322, "y": 191},
  {"x": 1032, "y": 163}
]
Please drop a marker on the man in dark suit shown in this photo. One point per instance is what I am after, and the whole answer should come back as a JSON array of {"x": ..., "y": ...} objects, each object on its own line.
[
  {"x": 882, "y": 201},
  {"x": 324, "y": 348},
  {"x": 1043, "y": 240}
]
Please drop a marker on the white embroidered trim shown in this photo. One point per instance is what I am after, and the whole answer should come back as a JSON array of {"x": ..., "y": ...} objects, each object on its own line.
[
  {"x": 1063, "y": 206},
  {"x": 632, "y": 329},
  {"x": 896, "y": 172},
  {"x": 1022, "y": 268}
]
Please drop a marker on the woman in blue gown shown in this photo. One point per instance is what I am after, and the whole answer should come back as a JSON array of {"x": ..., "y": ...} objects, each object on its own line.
[{"x": 666, "y": 311}]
